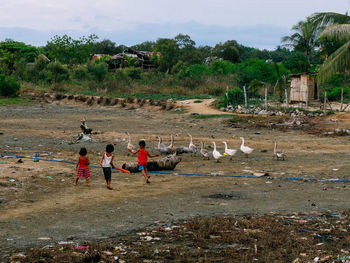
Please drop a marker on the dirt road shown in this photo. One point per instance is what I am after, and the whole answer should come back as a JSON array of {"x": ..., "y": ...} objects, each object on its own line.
[{"x": 40, "y": 206}]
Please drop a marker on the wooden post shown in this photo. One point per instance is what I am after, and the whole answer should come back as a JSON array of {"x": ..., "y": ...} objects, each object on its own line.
[
  {"x": 307, "y": 95},
  {"x": 342, "y": 98},
  {"x": 245, "y": 97},
  {"x": 265, "y": 98},
  {"x": 286, "y": 95},
  {"x": 325, "y": 102},
  {"x": 227, "y": 102}
]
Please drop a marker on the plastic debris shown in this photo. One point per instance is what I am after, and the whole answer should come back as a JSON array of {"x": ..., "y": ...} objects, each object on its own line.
[
  {"x": 44, "y": 238},
  {"x": 65, "y": 242},
  {"x": 83, "y": 247},
  {"x": 50, "y": 177}
]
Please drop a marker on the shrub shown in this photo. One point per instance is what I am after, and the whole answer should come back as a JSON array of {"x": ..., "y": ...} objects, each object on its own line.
[
  {"x": 234, "y": 97},
  {"x": 195, "y": 71},
  {"x": 217, "y": 91},
  {"x": 56, "y": 72},
  {"x": 98, "y": 71},
  {"x": 9, "y": 87},
  {"x": 80, "y": 73},
  {"x": 222, "y": 67},
  {"x": 37, "y": 72},
  {"x": 133, "y": 73},
  {"x": 121, "y": 76},
  {"x": 335, "y": 94}
]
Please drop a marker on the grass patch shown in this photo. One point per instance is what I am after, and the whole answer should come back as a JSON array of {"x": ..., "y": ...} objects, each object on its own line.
[
  {"x": 198, "y": 101},
  {"x": 151, "y": 96},
  {"x": 210, "y": 116},
  {"x": 14, "y": 101}
]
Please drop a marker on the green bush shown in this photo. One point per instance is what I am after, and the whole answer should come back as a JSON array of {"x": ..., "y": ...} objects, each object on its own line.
[
  {"x": 98, "y": 71},
  {"x": 56, "y": 72},
  {"x": 235, "y": 97},
  {"x": 195, "y": 71},
  {"x": 133, "y": 73},
  {"x": 37, "y": 72},
  {"x": 222, "y": 67},
  {"x": 335, "y": 94},
  {"x": 121, "y": 76},
  {"x": 9, "y": 87},
  {"x": 80, "y": 73}
]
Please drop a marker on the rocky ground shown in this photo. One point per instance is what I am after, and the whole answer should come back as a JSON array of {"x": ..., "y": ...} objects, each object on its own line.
[{"x": 40, "y": 207}]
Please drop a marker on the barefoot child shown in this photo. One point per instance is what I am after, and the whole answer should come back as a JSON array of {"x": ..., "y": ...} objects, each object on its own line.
[
  {"x": 82, "y": 167},
  {"x": 107, "y": 163},
  {"x": 142, "y": 159}
]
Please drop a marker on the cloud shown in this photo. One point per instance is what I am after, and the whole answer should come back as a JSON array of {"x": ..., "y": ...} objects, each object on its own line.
[
  {"x": 136, "y": 17},
  {"x": 262, "y": 36}
]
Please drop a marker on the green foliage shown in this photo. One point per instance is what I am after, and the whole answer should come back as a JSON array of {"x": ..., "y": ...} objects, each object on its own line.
[
  {"x": 230, "y": 51},
  {"x": 56, "y": 72},
  {"x": 12, "y": 52},
  {"x": 98, "y": 70},
  {"x": 170, "y": 53},
  {"x": 106, "y": 46},
  {"x": 195, "y": 71},
  {"x": 234, "y": 97},
  {"x": 145, "y": 46},
  {"x": 297, "y": 63},
  {"x": 67, "y": 50},
  {"x": 14, "y": 101},
  {"x": 222, "y": 67},
  {"x": 9, "y": 87},
  {"x": 133, "y": 73},
  {"x": 335, "y": 94},
  {"x": 80, "y": 73},
  {"x": 122, "y": 77},
  {"x": 37, "y": 72},
  {"x": 305, "y": 38},
  {"x": 256, "y": 69}
]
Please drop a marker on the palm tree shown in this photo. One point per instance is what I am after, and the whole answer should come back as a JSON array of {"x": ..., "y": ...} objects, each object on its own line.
[
  {"x": 336, "y": 26},
  {"x": 304, "y": 39}
]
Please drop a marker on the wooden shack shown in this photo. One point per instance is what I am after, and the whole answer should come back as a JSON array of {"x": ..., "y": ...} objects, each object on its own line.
[{"x": 302, "y": 88}]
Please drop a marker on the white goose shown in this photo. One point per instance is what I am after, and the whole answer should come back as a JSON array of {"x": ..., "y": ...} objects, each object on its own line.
[
  {"x": 192, "y": 147},
  {"x": 163, "y": 149},
  {"x": 245, "y": 149},
  {"x": 278, "y": 153},
  {"x": 130, "y": 146},
  {"x": 229, "y": 152},
  {"x": 204, "y": 152},
  {"x": 216, "y": 154},
  {"x": 171, "y": 146}
]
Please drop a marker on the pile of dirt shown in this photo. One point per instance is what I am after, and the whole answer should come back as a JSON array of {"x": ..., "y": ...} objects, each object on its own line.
[
  {"x": 272, "y": 238},
  {"x": 127, "y": 103}
]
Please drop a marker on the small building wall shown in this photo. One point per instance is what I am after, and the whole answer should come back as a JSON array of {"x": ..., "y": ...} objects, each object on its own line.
[{"x": 302, "y": 88}]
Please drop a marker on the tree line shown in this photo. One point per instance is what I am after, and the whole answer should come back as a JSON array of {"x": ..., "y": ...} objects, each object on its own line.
[{"x": 319, "y": 44}]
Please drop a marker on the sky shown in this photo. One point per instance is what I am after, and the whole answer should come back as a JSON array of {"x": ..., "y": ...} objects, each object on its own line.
[{"x": 256, "y": 23}]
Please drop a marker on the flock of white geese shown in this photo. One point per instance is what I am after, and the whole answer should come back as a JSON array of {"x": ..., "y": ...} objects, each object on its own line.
[{"x": 192, "y": 148}]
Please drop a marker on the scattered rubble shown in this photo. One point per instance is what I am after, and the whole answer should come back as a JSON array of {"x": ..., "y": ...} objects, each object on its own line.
[{"x": 296, "y": 237}]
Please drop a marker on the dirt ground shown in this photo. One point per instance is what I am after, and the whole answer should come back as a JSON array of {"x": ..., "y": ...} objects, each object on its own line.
[{"x": 40, "y": 206}]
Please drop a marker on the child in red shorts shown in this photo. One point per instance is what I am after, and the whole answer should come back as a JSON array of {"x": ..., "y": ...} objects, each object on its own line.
[
  {"x": 142, "y": 159},
  {"x": 82, "y": 167}
]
